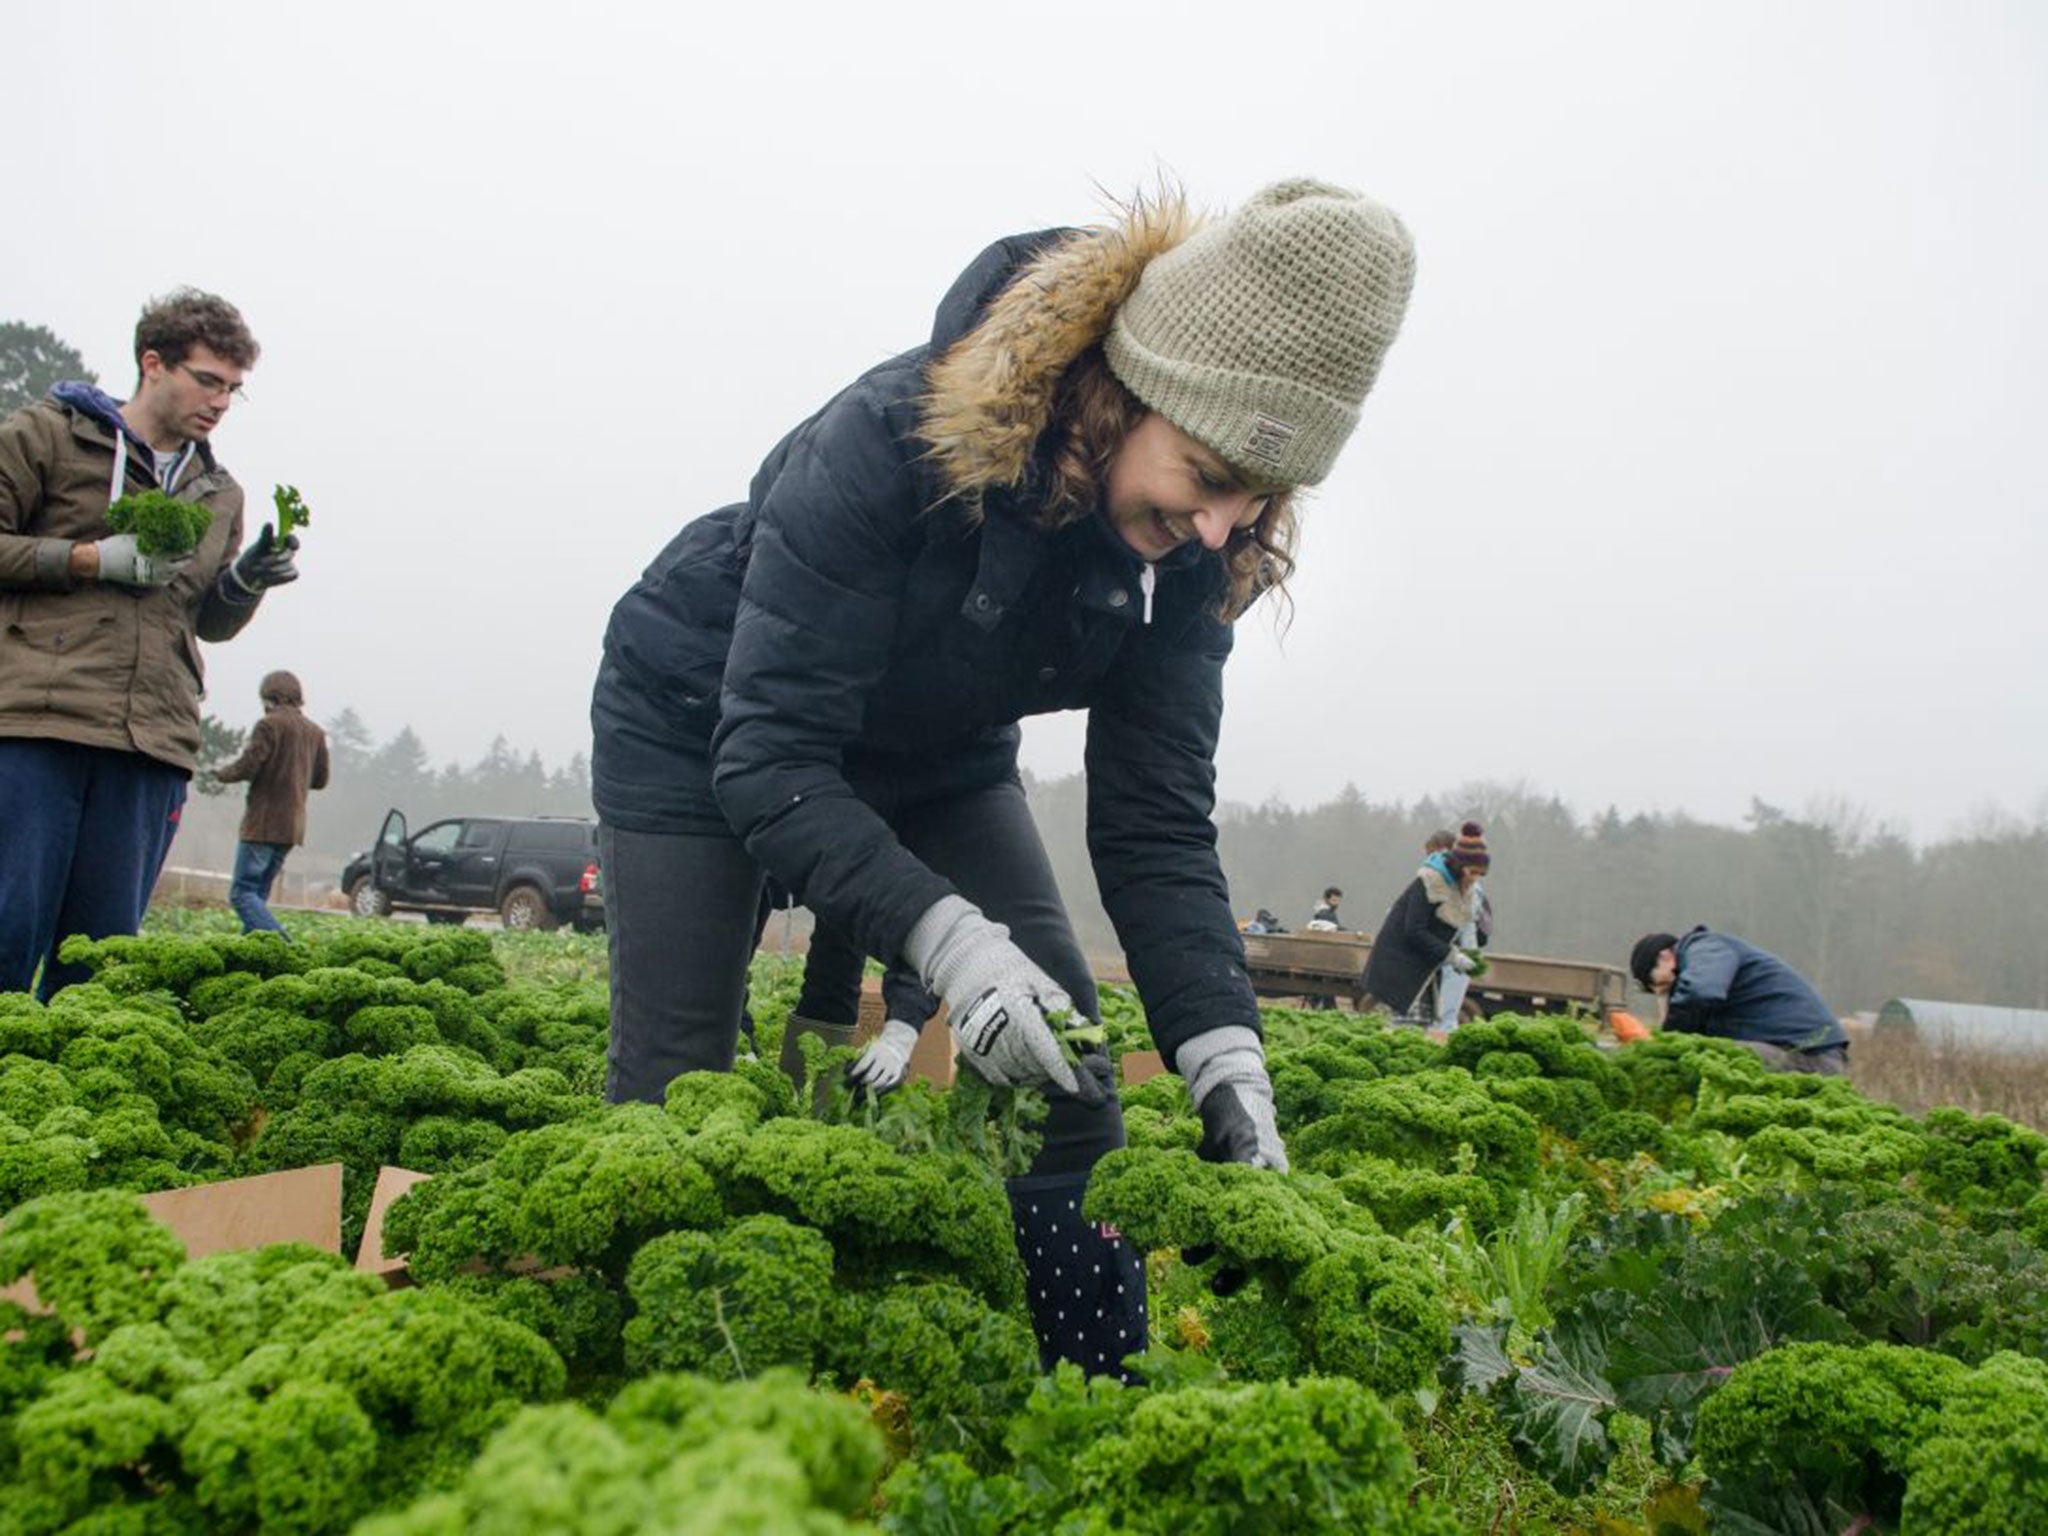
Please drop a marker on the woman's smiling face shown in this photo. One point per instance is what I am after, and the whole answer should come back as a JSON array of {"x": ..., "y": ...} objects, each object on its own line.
[{"x": 1165, "y": 488}]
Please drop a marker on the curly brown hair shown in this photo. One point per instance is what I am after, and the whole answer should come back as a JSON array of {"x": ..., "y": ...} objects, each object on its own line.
[
  {"x": 1092, "y": 415},
  {"x": 185, "y": 318}
]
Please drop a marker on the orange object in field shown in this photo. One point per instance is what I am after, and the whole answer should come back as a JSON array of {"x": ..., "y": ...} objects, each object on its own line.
[{"x": 1628, "y": 1029}]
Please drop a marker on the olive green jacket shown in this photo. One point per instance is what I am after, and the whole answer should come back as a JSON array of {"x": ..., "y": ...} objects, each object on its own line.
[{"x": 97, "y": 663}]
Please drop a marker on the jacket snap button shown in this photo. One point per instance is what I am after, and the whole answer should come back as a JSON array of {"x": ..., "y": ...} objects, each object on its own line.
[
  {"x": 981, "y": 602},
  {"x": 1047, "y": 674},
  {"x": 1118, "y": 598}
]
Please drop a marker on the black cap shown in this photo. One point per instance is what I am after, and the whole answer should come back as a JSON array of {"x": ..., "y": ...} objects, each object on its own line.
[{"x": 1643, "y": 958}]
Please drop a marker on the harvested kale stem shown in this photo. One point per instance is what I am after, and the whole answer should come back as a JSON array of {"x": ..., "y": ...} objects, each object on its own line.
[{"x": 292, "y": 512}]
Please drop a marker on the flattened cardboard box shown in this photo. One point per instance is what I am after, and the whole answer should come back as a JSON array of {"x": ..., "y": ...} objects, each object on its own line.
[
  {"x": 391, "y": 1183},
  {"x": 300, "y": 1205},
  {"x": 1142, "y": 1067}
]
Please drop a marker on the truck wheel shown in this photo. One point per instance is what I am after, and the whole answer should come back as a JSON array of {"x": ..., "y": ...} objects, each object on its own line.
[
  {"x": 366, "y": 900},
  {"x": 447, "y": 919},
  {"x": 525, "y": 907}
]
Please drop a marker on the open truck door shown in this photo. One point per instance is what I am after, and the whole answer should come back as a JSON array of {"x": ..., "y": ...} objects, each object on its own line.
[{"x": 387, "y": 858}]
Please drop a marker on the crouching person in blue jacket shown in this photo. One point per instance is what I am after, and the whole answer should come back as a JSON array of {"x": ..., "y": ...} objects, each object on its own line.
[
  {"x": 1717, "y": 984},
  {"x": 1062, "y": 500}
]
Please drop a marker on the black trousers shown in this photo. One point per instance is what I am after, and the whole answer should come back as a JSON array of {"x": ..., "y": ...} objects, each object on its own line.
[
  {"x": 680, "y": 915},
  {"x": 834, "y": 969}
]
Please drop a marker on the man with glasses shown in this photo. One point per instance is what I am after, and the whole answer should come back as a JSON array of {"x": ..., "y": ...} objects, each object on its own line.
[{"x": 99, "y": 638}]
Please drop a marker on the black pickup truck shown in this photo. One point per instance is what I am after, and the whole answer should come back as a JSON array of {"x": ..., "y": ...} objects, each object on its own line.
[{"x": 533, "y": 871}]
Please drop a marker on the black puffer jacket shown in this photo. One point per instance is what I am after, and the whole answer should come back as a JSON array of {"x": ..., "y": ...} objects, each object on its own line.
[
  {"x": 1412, "y": 942},
  {"x": 853, "y": 638}
]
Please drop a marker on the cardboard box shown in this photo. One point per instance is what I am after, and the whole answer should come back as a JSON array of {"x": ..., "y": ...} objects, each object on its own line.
[
  {"x": 301, "y": 1205},
  {"x": 391, "y": 1183},
  {"x": 1141, "y": 1067}
]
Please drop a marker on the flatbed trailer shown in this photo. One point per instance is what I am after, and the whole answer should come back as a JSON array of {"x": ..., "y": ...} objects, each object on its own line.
[{"x": 1333, "y": 965}]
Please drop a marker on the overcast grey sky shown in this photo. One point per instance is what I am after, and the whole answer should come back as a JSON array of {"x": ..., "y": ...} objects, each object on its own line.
[{"x": 1709, "y": 464}]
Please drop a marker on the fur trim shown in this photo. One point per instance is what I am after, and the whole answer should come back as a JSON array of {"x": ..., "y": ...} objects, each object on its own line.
[
  {"x": 1452, "y": 905},
  {"x": 990, "y": 398}
]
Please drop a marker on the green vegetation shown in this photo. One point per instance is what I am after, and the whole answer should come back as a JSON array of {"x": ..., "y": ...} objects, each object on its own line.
[
  {"x": 1515, "y": 1283},
  {"x": 292, "y": 511},
  {"x": 162, "y": 525}
]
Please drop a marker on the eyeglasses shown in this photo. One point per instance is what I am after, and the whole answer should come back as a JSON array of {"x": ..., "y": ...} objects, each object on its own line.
[{"x": 214, "y": 384}]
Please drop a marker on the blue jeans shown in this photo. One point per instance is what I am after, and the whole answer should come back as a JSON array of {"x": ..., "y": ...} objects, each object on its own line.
[
  {"x": 83, "y": 836},
  {"x": 256, "y": 869},
  {"x": 1451, "y": 986}
]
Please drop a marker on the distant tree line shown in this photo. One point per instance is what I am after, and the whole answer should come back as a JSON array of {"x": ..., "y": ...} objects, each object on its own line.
[{"x": 1852, "y": 903}]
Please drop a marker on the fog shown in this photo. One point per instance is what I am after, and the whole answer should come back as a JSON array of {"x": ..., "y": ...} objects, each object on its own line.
[{"x": 1708, "y": 466}]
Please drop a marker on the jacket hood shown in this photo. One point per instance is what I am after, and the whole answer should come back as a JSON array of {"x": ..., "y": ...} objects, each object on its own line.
[
  {"x": 95, "y": 404},
  {"x": 1009, "y": 327}
]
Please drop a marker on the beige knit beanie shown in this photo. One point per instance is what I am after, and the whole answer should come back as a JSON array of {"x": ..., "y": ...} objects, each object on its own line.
[{"x": 1260, "y": 335}]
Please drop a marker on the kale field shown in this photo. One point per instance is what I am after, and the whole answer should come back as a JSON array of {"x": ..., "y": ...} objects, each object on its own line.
[{"x": 1515, "y": 1283}]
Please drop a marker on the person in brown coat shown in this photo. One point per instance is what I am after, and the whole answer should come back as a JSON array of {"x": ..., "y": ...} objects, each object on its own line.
[
  {"x": 285, "y": 759},
  {"x": 100, "y": 669}
]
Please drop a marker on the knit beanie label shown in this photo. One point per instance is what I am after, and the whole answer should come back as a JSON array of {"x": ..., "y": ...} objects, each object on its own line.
[
  {"x": 1267, "y": 441},
  {"x": 1261, "y": 335}
]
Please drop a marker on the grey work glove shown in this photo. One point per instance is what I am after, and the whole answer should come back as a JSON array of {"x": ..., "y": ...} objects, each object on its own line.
[
  {"x": 886, "y": 1062},
  {"x": 1225, "y": 1070},
  {"x": 122, "y": 562},
  {"x": 997, "y": 999},
  {"x": 1460, "y": 962},
  {"x": 269, "y": 562}
]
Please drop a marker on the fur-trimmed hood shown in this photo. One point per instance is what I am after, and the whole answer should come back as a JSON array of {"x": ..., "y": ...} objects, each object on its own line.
[
  {"x": 1453, "y": 905},
  {"x": 1005, "y": 335}
]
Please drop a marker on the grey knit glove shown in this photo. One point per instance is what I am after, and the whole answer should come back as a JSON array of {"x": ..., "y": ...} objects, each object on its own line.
[
  {"x": 122, "y": 562},
  {"x": 886, "y": 1062},
  {"x": 1225, "y": 1070},
  {"x": 997, "y": 999}
]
